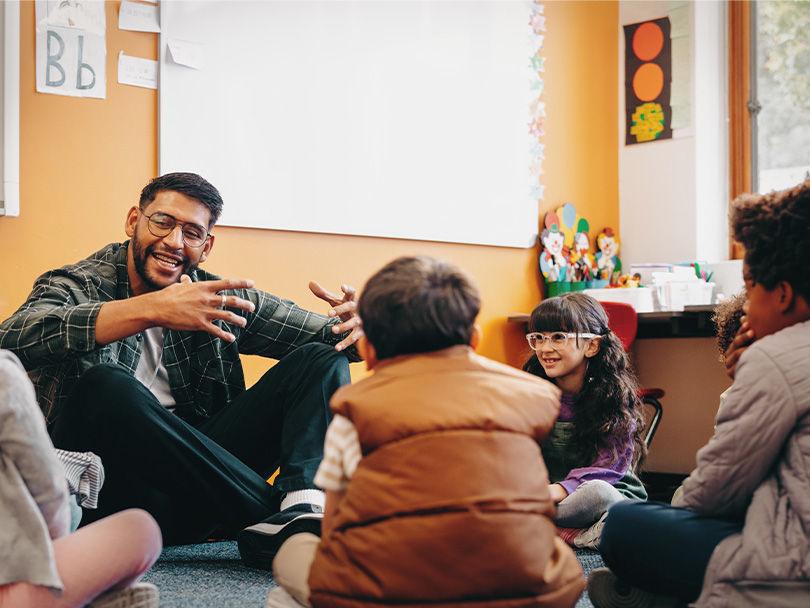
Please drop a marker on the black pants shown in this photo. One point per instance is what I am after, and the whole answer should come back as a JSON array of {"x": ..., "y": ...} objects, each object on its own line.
[
  {"x": 194, "y": 479},
  {"x": 660, "y": 548}
]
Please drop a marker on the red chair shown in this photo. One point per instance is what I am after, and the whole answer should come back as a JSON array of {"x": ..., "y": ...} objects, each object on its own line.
[{"x": 623, "y": 321}]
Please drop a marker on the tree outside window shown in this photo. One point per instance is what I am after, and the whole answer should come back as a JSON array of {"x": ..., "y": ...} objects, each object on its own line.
[{"x": 780, "y": 94}]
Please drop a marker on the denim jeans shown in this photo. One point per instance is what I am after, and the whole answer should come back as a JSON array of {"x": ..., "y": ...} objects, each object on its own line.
[{"x": 660, "y": 548}]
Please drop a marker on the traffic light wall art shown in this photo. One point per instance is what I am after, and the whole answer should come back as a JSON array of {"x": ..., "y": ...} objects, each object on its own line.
[{"x": 648, "y": 80}]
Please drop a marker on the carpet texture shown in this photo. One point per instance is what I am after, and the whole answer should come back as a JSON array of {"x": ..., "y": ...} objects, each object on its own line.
[
  {"x": 590, "y": 560},
  {"x": 211, "y": 575}
]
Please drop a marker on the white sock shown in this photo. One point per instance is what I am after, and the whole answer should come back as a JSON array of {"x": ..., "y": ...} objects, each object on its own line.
[{"x": 303, "y": 497}]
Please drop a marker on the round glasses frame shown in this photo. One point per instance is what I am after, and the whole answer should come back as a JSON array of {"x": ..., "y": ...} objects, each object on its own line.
[
  {"x": 557, "y": 340},
  {"x": 162, "y": 224}
]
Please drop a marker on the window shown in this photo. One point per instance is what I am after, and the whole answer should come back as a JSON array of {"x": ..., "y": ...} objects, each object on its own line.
[
  {"x": 769, "y": 94},
  {"x": 781, "y": 94}
]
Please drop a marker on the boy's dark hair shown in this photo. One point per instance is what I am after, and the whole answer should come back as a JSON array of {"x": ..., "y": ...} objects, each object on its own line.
[
  {"x": 418, "y": 304},
  {"x": 727, "y": 319},
  {"x": 773, "y": 229},
  {"x": 189, "y": 184}
]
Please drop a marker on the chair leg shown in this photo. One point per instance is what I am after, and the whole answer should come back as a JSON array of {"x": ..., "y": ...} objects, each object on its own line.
[{"x": 655, "y": 420}]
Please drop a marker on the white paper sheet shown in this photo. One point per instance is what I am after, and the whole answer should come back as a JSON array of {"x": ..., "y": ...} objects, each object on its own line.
[
  {"x": 71, "y": 48},
  {"x": 137, "y": 17},
  {"x": 137, "y": 71},
  {"x": 187, "y": 53}
]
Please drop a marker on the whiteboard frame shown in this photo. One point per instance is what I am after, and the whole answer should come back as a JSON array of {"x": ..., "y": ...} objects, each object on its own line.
[{"x": 10, "y": 197}]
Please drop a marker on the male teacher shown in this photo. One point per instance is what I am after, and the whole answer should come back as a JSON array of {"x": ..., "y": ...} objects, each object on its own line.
[{"x": 134, "y": 352}]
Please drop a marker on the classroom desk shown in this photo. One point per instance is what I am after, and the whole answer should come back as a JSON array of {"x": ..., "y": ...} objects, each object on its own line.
[
  {"x": 677, "y": 351},
  {"x": 691, "y": 322}
]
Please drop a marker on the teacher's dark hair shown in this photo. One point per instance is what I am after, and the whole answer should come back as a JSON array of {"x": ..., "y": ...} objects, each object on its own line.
[{"x": 188, "y": 184}]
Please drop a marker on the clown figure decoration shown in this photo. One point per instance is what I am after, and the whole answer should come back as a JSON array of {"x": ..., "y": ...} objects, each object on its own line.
[
  {"x": 553, "y": 264},
  {"x": 607, "y": 258},
  {"x": 581, "y": 258}
]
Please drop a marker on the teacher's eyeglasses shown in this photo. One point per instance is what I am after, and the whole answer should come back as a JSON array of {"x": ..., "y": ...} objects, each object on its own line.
[
  {"x": 162, "y": 224},
  {"x": 558, "y": 339}
]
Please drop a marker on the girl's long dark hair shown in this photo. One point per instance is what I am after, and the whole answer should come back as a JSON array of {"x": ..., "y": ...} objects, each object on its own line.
[{"x": 608, "y": 404}]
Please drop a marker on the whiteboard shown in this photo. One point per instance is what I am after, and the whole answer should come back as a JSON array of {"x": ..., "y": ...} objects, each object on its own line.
[{"x": 402, "y": 119}]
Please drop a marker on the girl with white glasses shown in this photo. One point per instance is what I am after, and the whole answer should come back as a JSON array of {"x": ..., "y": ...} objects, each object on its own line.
[{"x": 594, "y": 451}]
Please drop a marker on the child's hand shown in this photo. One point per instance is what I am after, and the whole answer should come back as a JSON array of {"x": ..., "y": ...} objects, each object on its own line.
[
  {"x": 744, "y": 338},
  {"x": 558, "y": 492}
]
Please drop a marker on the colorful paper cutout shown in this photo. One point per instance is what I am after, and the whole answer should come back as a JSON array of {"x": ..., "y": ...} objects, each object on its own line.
[
  {"x": 648, "y": 81},
  {"x": 537, "y": 108},
  {"x": 607, "y": 258},
  {"x": 553, "y": 258},
  {"x": 582, "y": 260},
  {"x": 648, "y": 122},
  {"x": 566, "y": 260},
  {"x": 566, "y": 246}
]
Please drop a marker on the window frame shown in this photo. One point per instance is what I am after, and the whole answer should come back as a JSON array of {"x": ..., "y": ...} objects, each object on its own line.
[{"x": 741, "y": 96}]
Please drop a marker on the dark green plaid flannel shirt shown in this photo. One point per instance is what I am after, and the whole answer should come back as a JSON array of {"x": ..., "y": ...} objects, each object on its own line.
[{"x": 53, "y": 334}]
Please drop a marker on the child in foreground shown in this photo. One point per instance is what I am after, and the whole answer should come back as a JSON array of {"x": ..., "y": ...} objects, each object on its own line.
[
  {"x": 436, "y": 491},
  {"x": 740, "y": 533},
  {"x": 595, "y": 447},
  {"x": 42, "y": 564}
]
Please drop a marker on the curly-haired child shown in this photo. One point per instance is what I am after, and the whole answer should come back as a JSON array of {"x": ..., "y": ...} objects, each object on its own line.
[{"x": 738, "y": 534}]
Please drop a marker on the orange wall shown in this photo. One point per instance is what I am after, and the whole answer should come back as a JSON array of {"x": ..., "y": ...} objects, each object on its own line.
[{"x": 84, "y": 161}]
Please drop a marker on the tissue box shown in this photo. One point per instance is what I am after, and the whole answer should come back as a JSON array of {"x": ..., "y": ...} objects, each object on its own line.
[{"x": 640, "y": 298}]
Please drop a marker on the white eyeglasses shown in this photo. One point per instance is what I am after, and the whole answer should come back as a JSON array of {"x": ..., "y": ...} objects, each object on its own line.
[{"x": 558, "y": 339}]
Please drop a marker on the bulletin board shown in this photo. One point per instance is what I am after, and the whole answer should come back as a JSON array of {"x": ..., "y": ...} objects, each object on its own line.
[{"x": 401, "y": 119}]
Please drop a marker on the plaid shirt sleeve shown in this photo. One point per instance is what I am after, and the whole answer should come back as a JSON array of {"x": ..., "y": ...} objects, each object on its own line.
[
  {"x": 277, "y": 326},
  {"x": 57, "y": 321}
]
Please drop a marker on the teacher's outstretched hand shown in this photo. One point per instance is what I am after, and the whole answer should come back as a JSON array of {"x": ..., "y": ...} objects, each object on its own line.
[
  {"x": 345, "y": 308},
  {"x": 184, "y": 306}
]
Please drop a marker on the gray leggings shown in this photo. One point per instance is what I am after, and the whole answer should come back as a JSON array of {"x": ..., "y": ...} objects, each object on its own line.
[{"x": 587, "y": 504}]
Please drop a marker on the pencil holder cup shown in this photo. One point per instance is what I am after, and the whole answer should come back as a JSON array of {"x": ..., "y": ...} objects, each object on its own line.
[
  {"x": 578, "y": 285},
  {"x": 598, "y": 283}
]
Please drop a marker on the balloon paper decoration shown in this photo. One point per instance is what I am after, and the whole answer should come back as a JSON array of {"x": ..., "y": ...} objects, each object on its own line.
[{"x": 566, "y": 260}]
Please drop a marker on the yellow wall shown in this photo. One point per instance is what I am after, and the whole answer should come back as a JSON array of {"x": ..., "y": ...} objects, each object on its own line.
[{"x": 84, "y": 161}]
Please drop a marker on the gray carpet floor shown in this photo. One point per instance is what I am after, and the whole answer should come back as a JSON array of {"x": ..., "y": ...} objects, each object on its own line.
[{"x": 211, "y": 575}]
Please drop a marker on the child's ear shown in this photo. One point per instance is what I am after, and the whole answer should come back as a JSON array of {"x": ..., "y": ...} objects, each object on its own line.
[
  {"x": 476, "y": 337},
  {"x": 593, "y": 347},
  {"x": 366, "y": 350},
  {"x": 784, "y": 296}
]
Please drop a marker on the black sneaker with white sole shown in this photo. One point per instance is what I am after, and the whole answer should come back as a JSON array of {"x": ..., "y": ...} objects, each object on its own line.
[
  {"x": 258, "y": 544},
  {"x": 605, "y": 590}
]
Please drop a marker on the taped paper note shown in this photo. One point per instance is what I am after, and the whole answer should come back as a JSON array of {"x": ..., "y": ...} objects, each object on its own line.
[
  {"x": 137, "y": 17},
  {"x": 137, "y": 71},
  {"x": 189, "y": 54}
]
